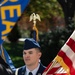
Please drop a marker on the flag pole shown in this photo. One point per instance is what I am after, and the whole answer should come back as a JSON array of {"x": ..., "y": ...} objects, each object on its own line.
[
  {"x": 51, "y": 66},
  {"x": 35, "y": 17}
]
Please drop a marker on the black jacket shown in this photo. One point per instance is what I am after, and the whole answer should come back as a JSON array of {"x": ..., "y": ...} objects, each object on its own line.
[{"x": 4, "y": 68}]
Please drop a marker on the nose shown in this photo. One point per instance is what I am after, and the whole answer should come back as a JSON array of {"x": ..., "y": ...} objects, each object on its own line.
[{"x": 26, "y": 55}]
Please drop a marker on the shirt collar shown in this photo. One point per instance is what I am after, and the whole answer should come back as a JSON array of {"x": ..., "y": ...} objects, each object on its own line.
[{"x": 34, "y": 71}]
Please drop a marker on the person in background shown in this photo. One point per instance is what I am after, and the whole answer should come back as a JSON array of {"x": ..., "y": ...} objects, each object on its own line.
[
  {"x": 31, "y": 57},
  {"x": 4, "y": 68}
]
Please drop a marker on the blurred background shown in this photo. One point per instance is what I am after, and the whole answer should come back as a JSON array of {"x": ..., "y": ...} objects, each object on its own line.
[{"x": 56, "y": 25}]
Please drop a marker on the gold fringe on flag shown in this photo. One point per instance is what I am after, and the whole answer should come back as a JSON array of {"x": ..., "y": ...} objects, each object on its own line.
[{"x": 60, "y": 60}]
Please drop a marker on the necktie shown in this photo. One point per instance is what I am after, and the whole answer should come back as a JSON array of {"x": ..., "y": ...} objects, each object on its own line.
[{"x": 30, "y": 73}]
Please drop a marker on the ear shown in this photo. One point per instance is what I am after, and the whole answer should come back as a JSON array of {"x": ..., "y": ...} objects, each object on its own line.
[{"x": 40, "y": 54}]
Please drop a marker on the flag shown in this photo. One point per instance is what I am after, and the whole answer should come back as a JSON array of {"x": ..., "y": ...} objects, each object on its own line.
[
  {"x": 10, "y": 12},
  {"x": 65, "y": 59},
  {"x": 6, "y": 58},
  {"x": 34, "y": 33}
]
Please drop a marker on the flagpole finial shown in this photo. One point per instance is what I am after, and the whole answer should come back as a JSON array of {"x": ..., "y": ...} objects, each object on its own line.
[{"x": 34, "y": 17}]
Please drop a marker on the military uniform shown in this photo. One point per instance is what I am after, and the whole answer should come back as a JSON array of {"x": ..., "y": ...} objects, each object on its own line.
[
  {"x": 31, "y": 45},
  {"x": 22, "y": 70}
]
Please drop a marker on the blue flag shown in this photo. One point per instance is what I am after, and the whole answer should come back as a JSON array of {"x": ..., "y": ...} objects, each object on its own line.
[
  {"x": 7, "y": 58},
  {"x": 10, "y": 11}
]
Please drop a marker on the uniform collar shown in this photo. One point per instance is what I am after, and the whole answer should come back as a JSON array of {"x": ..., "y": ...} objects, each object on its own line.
[{"x": 34, "y": 71}]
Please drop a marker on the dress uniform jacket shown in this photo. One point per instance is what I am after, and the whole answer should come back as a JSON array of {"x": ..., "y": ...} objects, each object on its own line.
[{"x": 21, "y": 70}]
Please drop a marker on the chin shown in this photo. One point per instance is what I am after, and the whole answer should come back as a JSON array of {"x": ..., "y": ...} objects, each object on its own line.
[{"x": 28, "y": 64}]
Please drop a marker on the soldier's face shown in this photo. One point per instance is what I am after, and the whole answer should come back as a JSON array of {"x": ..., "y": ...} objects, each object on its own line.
[{"x": 31, "y": 56}]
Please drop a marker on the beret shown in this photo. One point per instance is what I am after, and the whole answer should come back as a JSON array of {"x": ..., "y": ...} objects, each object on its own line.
[{"x": 30, "y": 43}]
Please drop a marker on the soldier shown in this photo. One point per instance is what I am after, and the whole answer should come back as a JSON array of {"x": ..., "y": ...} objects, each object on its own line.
[{"x": 31, "y": 57}]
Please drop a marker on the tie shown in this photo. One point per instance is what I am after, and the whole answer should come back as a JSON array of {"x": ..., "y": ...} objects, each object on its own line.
[{"x": 30, "y": 73}]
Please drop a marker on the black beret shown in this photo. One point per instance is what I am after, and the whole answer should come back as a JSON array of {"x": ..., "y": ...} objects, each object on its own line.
[{"x": 30, "y": 43}]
